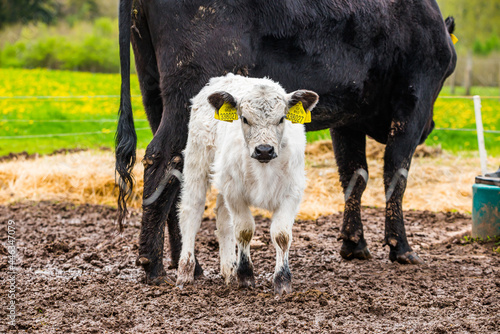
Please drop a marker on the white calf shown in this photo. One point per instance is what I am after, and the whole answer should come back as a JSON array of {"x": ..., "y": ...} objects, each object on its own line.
[{"x": 257, "y": 160}]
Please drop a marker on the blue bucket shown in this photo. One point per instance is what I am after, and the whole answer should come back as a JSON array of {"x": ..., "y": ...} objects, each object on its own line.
[{"x": 486, "y": 207}]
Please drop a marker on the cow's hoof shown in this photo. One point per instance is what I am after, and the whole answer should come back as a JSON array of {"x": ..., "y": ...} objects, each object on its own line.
[
  {"x": 351, "y": 250},
  {"x": 409, "y": 257},
  {"x": 160, "y": 280},
  {"x": 155, "y": 274}
]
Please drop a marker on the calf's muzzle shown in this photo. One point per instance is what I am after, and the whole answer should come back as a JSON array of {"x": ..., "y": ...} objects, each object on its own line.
[{"x": 264, "y": 153}]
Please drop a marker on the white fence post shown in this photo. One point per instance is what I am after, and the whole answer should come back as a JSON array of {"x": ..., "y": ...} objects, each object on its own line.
[{"x": 480, "y": 134}]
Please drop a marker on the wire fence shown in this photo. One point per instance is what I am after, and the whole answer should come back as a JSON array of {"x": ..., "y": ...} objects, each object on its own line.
[{"x": 88, "y": 97}]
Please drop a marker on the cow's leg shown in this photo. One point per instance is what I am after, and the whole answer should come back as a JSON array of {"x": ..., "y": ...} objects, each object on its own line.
[
  {"x": 146, "y": 68},
  {"x": 244, "y": 228},
  {"x": 349, "y": 147},
  {"x": 162, "y": 157},
  {"x": 161, "y": 187},
  {"x": 281, "y": 236},
  {"x": 404, "y": 136},
  {"x": 163, "y": 164},
  {"x": 225, "y": 235}
]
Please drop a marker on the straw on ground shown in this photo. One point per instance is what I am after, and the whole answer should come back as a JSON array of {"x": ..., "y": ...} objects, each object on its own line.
[{"x": 437, "y": 183}]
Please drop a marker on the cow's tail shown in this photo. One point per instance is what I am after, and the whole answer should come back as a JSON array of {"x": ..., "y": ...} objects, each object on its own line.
[
  {"x": 450, "y": 24},
  {"x": 126, "y": 138}
]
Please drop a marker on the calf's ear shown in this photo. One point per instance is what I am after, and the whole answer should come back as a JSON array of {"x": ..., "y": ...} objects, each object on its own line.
[
  {"x": 217, "y": 99},
  {"x": 308, "y": 98}
]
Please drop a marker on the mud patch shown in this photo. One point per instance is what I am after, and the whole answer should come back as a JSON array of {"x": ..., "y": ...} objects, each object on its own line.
[{"x": 77, "y": 274}]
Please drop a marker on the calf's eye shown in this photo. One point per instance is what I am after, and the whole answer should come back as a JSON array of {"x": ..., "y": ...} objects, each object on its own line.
[
  {"x": 244, "y": 120},
  {"x": 282, "y": 119}
]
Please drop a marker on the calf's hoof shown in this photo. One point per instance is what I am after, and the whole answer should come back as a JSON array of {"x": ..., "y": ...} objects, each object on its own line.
[
  {"x": 198, "y": 270},
  {"x": 246, "y": 282},
  {"x": 185, "y": 272},
  {"x": 351, "y": 250},
  {"x": 245, "y": 277},
  {"x": 245, "y": 272},
  {"x": 409, "y": 257},
  {"x": 283, "y": 288},
  {"x": 227, "y": 272},
  {"x": 283, "y": 282}
]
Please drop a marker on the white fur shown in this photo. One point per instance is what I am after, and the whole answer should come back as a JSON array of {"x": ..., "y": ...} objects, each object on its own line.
[{"x": 218, "y": 151}]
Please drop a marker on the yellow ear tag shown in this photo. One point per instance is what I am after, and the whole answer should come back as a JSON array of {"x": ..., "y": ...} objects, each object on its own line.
[
  {"x": 454, "y": 38},
  {"x": 297, "y": 114},
  {"x": 308, "y": 117},
  {"x": 226, "y": 113}
]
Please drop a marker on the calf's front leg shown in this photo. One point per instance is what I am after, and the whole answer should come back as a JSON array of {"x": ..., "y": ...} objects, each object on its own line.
[
  {"x": 244, "y": 228},
  {"x": 281, "y": 236}
]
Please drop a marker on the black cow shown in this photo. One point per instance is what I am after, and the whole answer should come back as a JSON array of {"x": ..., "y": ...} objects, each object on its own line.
[{"x": 378, "y": 66}]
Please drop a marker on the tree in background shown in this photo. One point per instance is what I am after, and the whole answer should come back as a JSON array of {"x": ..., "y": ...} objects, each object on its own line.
[
  {"x": 478, "y": 31},
  {"x": 477, "y": 22},
  {"x": 49, "y": 11},
  {"x": 24, "y": 11}
]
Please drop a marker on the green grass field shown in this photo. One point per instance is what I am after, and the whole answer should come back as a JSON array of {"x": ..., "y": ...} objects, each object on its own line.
[{"x": 25, "y": 122}]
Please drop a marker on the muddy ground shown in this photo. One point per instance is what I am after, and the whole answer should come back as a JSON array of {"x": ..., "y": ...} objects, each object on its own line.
[{"x": 76, "y": 274}]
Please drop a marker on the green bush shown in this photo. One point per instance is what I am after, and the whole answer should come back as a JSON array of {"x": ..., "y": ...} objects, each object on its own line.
[{"x": 83, "y": 47}]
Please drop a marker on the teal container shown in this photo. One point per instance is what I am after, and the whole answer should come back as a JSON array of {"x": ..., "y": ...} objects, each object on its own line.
[{"x": 485, "y": 210}]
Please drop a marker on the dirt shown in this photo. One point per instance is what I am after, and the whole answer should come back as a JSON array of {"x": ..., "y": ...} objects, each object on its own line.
[{"x": 76, "y": 274}]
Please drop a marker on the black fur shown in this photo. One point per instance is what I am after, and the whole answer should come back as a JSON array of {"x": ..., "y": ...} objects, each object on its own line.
[
  {"x": 450, "y": 24},
  {"x": 307, "y": 98},
  {"x": 217, "y": 99},
  {"x": 377, "y": 65},
  {"x": 126, "y": 138},
  {"x": 244, "y": 272}
]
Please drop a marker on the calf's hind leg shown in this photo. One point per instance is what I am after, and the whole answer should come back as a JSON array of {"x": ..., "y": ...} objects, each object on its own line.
[
  {"x": 349, "y": 147},
  {"x": 192, "y": 205},
  {"x": 225, "y": 235}
]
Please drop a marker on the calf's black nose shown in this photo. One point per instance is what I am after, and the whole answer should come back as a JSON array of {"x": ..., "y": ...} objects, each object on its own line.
[{"x": 264, "y": 153}]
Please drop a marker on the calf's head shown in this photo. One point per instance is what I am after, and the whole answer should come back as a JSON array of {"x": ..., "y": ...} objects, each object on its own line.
[{"x": 262, "y": 113}]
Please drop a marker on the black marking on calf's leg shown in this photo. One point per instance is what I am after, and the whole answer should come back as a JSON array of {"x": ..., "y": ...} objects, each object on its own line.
[
  {"x": 245, "y": 267},
  {"x": 245, "y": 272},
  {"x": 283, "y": 278}
]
